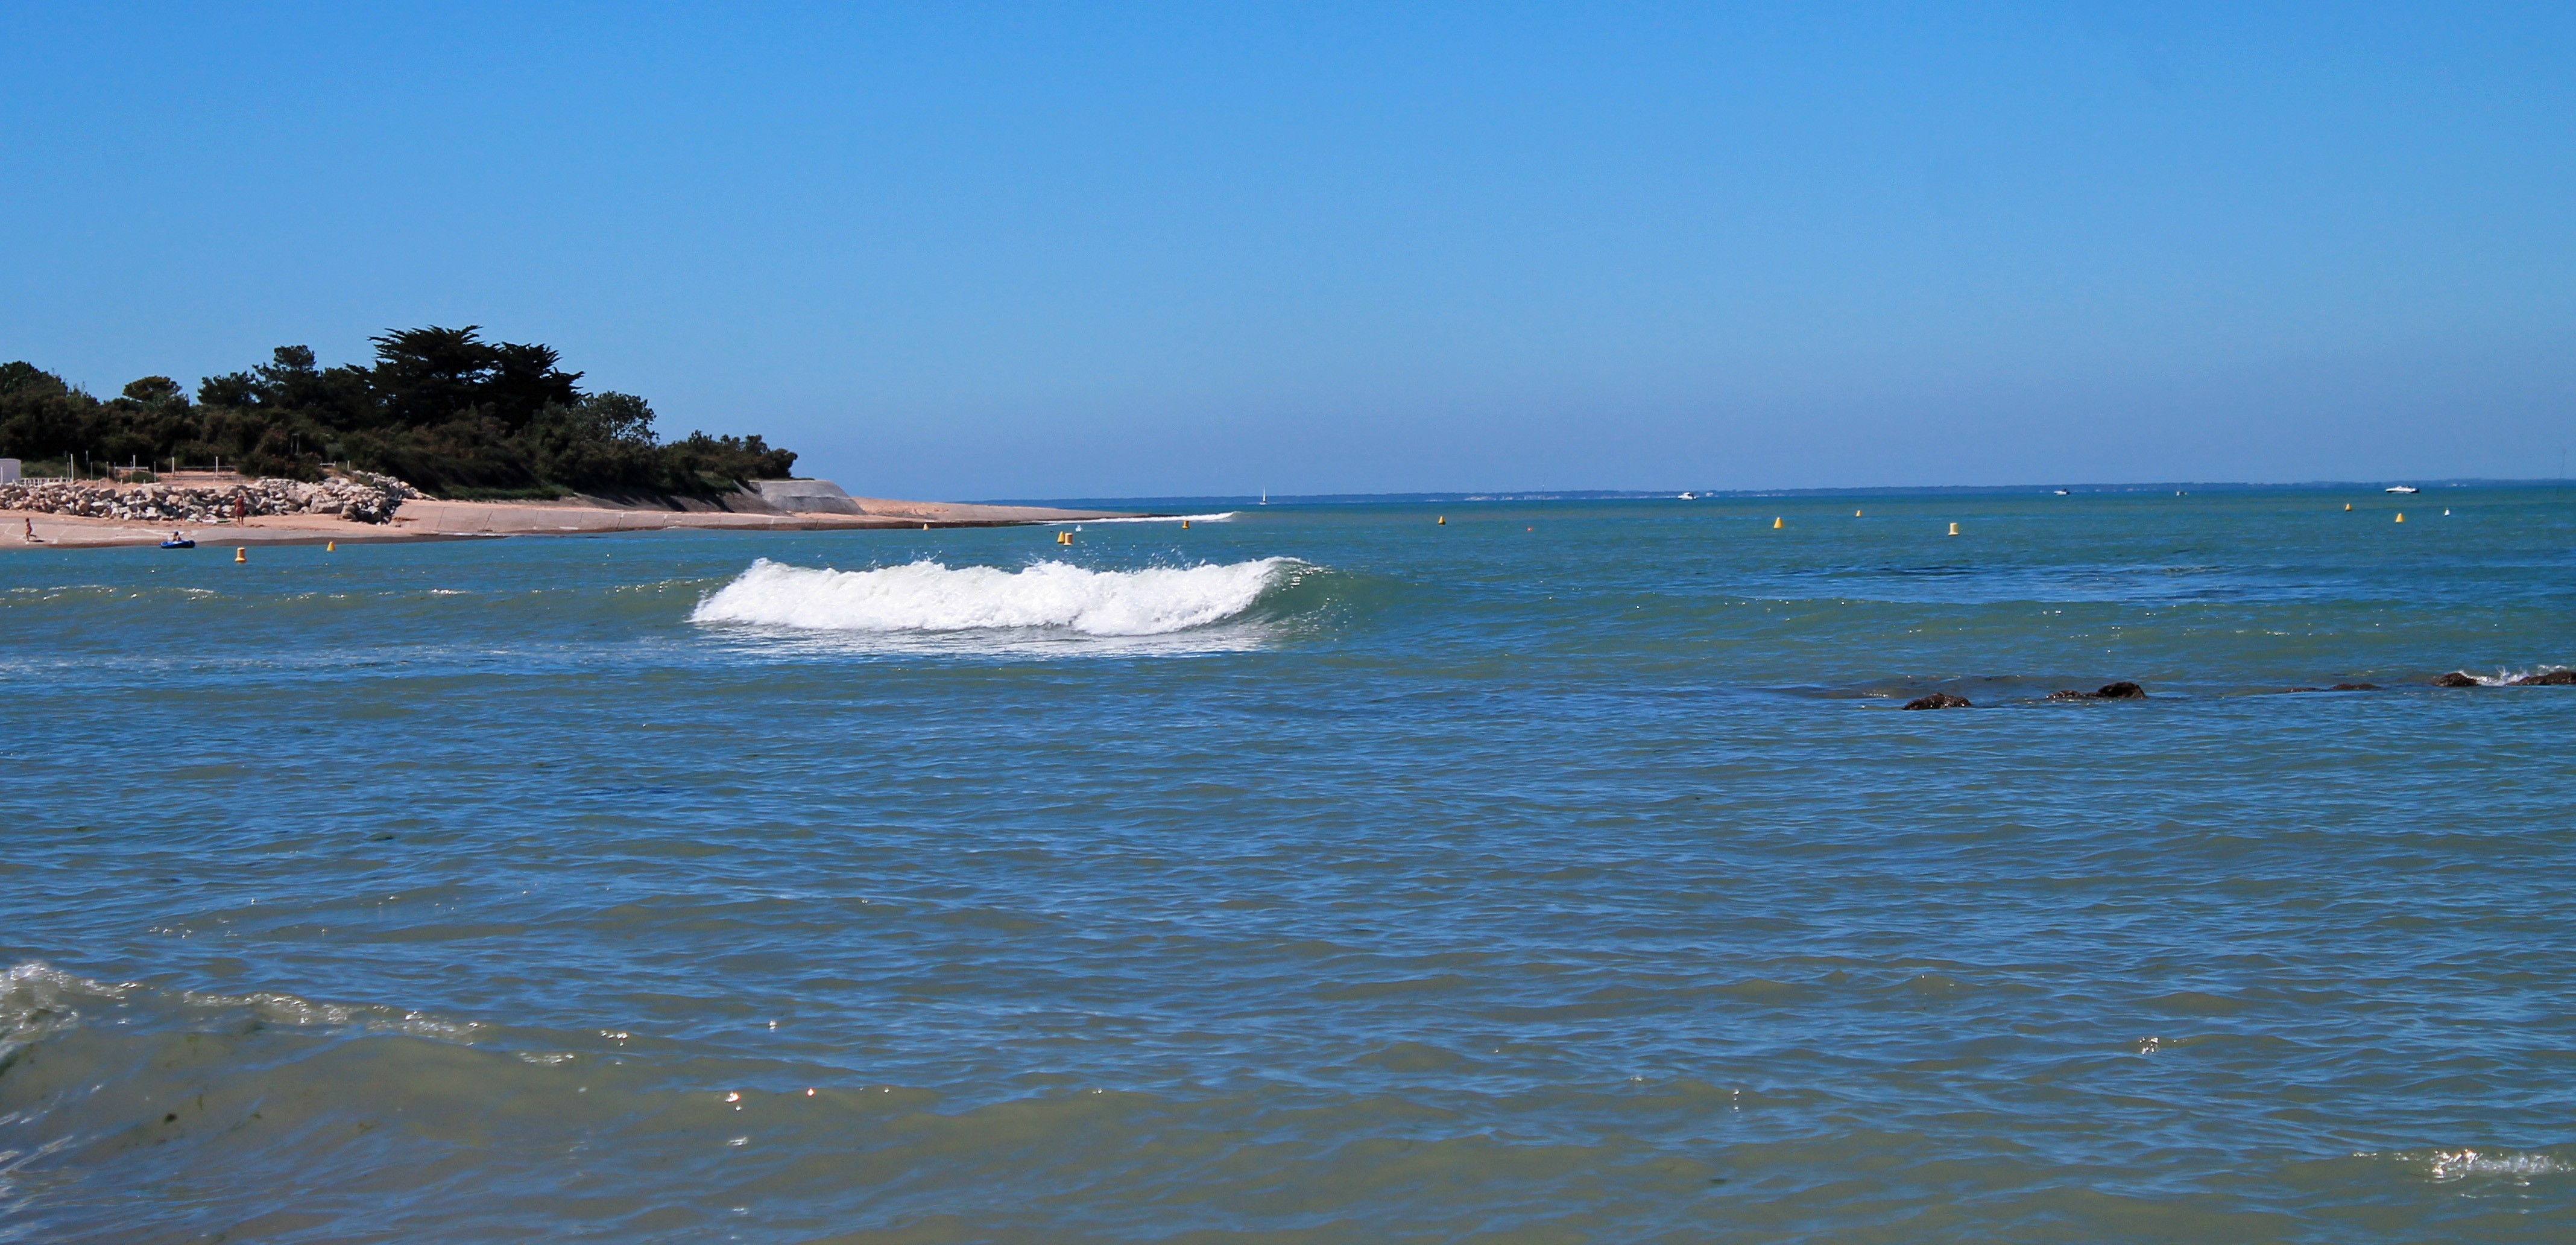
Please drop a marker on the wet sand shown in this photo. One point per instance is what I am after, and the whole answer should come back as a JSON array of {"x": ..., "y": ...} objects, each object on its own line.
[{"x": 455, "y": 520}]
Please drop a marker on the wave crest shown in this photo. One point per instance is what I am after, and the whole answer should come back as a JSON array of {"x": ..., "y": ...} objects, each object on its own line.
[
  {"x": 2445, "y": 1166},
  {"x": 929, "y": 596}
]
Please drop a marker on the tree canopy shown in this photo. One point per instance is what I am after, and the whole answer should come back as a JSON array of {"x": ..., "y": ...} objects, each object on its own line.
[{"x": 439, "y": 407}]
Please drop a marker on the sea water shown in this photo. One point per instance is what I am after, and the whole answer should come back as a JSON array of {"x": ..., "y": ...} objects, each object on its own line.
[{"x": 1567, "y": 871}]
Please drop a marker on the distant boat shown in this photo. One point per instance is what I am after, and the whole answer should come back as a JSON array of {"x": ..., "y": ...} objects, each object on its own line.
[
  {"x": 181, "y": 543},
  {"x": 2404, "y": 488},
  {"x": 2061, "y": 492},
  {"x": 1689, "y": 497}
]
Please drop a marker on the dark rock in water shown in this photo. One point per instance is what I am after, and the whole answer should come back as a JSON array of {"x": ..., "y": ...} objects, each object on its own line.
[
  {"x": 2555, "y": 678},
  {"x": 2354, "y": 687},
  {"x": 2122, "y": 690},
  {"x": 2294, "y": 690},
  {"x": 2454, "y": 679},
  {"x": 1939, "y": 700}
]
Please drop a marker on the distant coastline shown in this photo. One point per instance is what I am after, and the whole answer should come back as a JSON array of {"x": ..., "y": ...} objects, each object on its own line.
[
  {"x": 784, "y": 505},
  {"x": 443, "y": 435},
  {"x": 443, "y": 410}
]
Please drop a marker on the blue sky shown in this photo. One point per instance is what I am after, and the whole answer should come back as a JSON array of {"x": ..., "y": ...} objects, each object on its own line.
[{"x": 1004, "y": 251}]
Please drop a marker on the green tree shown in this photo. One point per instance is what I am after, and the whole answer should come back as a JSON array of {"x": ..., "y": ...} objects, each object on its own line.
[{"x": 439, "y": 407}]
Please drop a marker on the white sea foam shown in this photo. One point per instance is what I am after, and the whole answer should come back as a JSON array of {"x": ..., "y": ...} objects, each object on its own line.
[
  {"x": 37, "y": 1001},
  {"x": 2456, "y": 1164},
  {"x": 1225, "y": 516},
  {"x": 2506, "y": 678},
  {"x": 1053, "y": 596},
  {"x": 2445, "y": 1166}
]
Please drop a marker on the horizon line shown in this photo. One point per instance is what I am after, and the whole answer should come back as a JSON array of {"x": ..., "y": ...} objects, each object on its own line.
[{"x": 1675, "y": 494}]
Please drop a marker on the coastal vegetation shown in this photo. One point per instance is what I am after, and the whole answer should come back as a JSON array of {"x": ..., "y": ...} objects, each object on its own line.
[{"x": 441, "y": 408}]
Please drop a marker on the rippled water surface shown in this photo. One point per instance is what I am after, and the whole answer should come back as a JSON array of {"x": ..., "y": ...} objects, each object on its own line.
[{"x": 1563, "y": 873}]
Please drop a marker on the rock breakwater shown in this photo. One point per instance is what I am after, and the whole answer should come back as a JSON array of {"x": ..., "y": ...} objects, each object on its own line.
[{"x": 358, "y": 498}]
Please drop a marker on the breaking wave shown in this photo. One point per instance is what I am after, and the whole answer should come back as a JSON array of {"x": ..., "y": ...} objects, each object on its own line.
[
  {"x": 38, "y": 1002},
  {"x": 928, "y": 597},
  {"x": 2445, "y": 1166},
  {"x": 2507, "y": 678},
  {"x": 1222, "y": 516}
]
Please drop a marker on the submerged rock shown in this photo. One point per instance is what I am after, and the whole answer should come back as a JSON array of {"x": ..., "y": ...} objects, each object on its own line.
[
  {"x": 2123, "y": 690},
  {"x": 2456, "y": 678},
  {"x": 2553, "y": 678},
  {"x": 1939, "y": 700},
  {"x": 2354, "y": 687}
]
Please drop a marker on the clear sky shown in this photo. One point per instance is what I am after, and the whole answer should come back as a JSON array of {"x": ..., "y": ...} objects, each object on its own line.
[{"x": 1001, "y": 251}]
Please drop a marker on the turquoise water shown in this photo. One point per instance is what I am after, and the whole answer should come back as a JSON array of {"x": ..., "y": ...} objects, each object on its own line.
[{"x": 1562, "y": 873}]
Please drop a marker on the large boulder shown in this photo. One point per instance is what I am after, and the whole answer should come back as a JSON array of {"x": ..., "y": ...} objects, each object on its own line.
[
  {"x": 1939, "y": 700},
  {"x": 2456, "y": 678}
]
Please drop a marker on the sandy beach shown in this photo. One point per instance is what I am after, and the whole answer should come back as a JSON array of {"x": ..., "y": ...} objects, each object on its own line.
[{"x": 423, "y": 519}]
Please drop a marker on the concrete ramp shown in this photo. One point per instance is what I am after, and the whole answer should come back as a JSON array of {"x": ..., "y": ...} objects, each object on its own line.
[{"x": 807, "y": 497}]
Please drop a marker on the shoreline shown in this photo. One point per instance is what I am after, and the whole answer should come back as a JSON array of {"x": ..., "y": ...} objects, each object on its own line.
[{"x": 426, "y": 520}]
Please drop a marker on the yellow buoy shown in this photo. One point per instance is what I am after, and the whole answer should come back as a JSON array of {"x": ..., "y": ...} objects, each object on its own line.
[
  {"x": 1443, "y": 521},
  {"x": 330, "y": 546},
  {"x": 925, "y": 527},
  {"x": 2347, "y": 505},
  {"x": 1954, "y": 529},
  {"x": 2401, "y": 516},
  {"x": 1185, "y": 525},
  {"x": 1777, "y": 524},
  {"x": 240, "y": 554},
  {"x": 1855, "y": 514}
]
